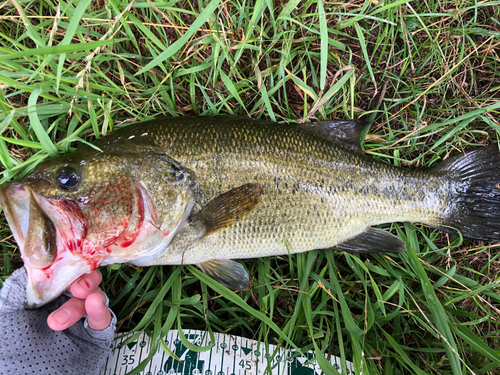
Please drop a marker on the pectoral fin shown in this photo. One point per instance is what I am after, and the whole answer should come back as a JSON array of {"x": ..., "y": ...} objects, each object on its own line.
[
  {"x": 373, "y": 240},
  {"x": 227, "y": 272},
  {"x": 228, "y": 208}
]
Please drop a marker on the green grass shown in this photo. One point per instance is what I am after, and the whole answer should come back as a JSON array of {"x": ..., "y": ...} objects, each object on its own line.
[{"x": 425, "y": 74}]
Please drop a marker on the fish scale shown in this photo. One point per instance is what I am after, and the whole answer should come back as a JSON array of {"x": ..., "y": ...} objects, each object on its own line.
[
  {"x": 317, "y": 193},
  {"x": 208, "y": 190}
]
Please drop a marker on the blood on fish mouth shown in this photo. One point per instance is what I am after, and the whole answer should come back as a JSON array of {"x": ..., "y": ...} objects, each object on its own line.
[{"x": 86, "y": 234}]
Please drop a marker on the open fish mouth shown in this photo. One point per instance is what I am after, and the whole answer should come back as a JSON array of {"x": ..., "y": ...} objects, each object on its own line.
[
  {"x": 36, "y": 229},
  {"x": 58, "y": 243},
  {"x": 32, "y": 229}
]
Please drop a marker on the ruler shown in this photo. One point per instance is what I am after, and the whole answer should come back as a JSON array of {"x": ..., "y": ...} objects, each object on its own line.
[{"x": 229, "y": 355}]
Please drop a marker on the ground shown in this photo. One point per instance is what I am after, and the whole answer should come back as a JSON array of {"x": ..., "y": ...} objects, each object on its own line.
[{"x": 423, "y": 74}]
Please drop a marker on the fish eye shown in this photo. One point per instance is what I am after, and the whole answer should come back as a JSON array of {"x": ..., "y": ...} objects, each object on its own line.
[{"x": 68, "y": 177}]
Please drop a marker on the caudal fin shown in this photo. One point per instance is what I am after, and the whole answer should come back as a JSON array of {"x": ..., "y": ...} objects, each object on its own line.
[{"x": 474, "y": 209}]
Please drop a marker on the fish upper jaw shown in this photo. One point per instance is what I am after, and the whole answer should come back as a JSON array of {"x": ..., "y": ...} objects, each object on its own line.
[
  {"x": 50, "y": 268},
  {"x": 15, "y": 200},
  {"x": 46, "y": 284},
  {"x": 33, "y": 230}
]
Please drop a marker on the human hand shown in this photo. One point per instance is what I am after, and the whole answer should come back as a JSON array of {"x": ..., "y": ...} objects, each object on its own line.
[{"x": 88, "y": 300}]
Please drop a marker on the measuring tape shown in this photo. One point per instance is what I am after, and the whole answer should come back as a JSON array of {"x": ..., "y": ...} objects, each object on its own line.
[{"x": 229, "y": 355}]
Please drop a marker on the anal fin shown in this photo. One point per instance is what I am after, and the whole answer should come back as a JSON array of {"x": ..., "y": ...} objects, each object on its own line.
[
  {"x": 227, "y": 272},
  {"x": 373, "y": 240}
]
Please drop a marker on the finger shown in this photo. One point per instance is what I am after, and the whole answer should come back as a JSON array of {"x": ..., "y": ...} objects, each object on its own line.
[
  {"x": 86, "y": 284},
  {"x": 67, "y": 315},
  {"x": 98, "y": 314}
]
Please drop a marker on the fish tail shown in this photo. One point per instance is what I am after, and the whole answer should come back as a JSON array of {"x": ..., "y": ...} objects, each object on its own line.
[{"x": 474, "y": 204}]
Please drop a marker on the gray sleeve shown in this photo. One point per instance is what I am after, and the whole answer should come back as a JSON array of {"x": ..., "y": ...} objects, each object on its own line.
[
  {"x": 34, "y": 348},
  {"x": 13, "y": 293}
]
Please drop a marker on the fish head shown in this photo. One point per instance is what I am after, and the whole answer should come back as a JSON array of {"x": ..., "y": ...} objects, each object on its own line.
[{"x": 74, "y": 213}]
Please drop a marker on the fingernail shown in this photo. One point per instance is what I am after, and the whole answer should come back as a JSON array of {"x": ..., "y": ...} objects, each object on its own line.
[
  {"x": 61, "y": 316},
  {"x": 85, "y": 283}
]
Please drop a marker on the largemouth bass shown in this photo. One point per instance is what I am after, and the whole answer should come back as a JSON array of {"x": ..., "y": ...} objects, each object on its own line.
[{"x": 206, "y": 190}]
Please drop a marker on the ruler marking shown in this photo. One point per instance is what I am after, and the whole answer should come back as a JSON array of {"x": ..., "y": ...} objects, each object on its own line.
[
  {"x": 118, "y": 356},
  {"x": 151, "y": 361},
  {"x": 234, "y": 354},
  {"x": 210, "y": 356},
  {"x": 274, "y": 360},
  {"x": 162, "y": 363},
  {"x": 256, "y": 359},
  {"x": 223, "y": 352},
  {"x": 185, "y": 353},
  {"x": 279, "y": 361},
  {"x": 141, "y": 346}
]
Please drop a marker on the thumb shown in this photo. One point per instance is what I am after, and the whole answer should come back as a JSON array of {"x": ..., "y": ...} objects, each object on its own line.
[{"x": 98, "y": 314}]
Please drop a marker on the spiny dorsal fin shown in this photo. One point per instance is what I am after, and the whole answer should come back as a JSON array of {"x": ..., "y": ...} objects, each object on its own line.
[
  {"x": 373, "y": 240},
  {"x": 227, "y": 272},
  {"x": 346, "y": 132},
  {"x": 228, "y": 208}
]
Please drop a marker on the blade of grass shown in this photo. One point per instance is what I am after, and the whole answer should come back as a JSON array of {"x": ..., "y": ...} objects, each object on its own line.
[
  {"x": 230, "y": 295},
  {"x": 232, "y": 89},
  {"x": 403, "y": 356},
  {"x": 362, "y": 44},
  {"x": 351, "y": 326},
  {"x": 326, "y": 366},
  {"x": 320, "y": 101},
  {"x": 438, "y": 313},
  {"x": 324, "y": 45},
  {"x": 68, "y": 35},
  {"x": 158, "y": 299},
  {"x": 178, "y": 44},
  {"x": 4, "y": 108},
  {"x": 55, "y": 50},
  {"x": 37, "y": 127},
  {"x": 474, "y": 341},
  {"x": 30, "y": 30}
]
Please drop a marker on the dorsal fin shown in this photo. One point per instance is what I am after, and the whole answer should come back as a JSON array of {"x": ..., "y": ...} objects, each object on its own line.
[{"x": 346, "y": 132}]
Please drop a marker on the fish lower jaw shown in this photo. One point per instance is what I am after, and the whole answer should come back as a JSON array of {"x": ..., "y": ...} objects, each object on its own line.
[{"x": 44, "y": 285}]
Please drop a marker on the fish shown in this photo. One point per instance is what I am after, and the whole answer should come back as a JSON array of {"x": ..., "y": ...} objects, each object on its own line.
[{"x": 209, "y": 190}]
